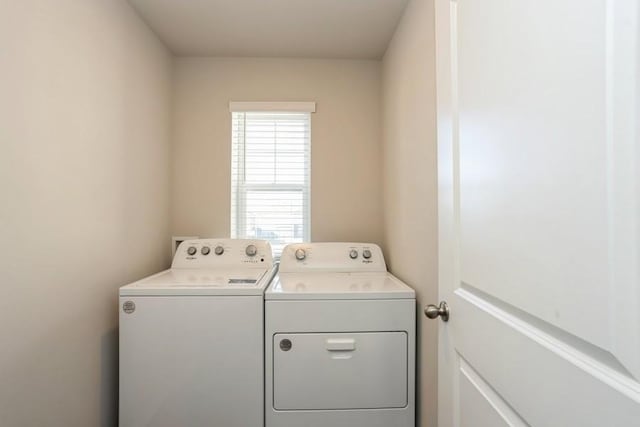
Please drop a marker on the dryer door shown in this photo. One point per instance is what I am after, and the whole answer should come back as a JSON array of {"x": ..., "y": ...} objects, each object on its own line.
[{"x": 317, "y": 371}]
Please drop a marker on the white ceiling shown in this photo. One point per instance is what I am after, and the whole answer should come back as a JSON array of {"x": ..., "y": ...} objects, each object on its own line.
[{"x": 277, "y": 28}]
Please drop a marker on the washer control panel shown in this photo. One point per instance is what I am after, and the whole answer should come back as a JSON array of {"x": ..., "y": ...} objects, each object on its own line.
[
  {"x": 336, "y": 257},
  {"x": 217, "y": 253}
]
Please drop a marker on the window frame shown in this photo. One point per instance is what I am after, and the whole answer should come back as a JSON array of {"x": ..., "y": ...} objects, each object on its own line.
[{"x": 239, "y": 185}]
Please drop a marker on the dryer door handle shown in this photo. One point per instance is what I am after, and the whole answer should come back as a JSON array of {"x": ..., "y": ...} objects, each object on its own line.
[{"x": 341, "y": 344}]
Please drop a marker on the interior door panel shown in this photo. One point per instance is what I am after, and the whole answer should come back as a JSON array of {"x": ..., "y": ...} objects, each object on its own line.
[{"x": 539, "y": 212}]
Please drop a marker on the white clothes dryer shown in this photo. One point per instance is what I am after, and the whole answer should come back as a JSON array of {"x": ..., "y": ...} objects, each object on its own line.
[
  {"x": 339, "y": 340},
  {"x": 191, "y": 338}
]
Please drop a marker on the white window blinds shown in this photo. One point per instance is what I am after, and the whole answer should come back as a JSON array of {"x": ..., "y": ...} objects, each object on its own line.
[{"x": 270, "y": 176}]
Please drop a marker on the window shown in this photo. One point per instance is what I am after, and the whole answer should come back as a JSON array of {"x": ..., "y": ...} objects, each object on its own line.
[{"x": 270, "y": 177}]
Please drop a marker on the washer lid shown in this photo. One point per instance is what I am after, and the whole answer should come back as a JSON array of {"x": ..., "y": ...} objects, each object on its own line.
[
  {"x": 323, "y": 286},
  {"x": 174, "y": 281}
]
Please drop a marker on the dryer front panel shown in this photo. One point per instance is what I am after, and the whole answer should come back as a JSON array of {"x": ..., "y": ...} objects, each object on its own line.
[{"x": 326, "y": 371}]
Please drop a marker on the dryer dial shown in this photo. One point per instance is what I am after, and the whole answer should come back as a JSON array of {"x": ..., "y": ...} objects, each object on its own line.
[{"x": 301, "y": 254}]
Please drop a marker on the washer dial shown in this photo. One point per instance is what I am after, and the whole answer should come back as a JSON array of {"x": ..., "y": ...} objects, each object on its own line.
[{"x": 251, "y": 250}]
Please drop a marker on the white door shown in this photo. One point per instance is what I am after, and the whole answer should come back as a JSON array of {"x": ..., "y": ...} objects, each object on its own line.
[{"x": 539, "y": 180}]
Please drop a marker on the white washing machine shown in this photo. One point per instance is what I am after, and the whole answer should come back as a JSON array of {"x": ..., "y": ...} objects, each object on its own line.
[
  {"x": 339, "y": 340},
  {"x": 192, "y": 338}
]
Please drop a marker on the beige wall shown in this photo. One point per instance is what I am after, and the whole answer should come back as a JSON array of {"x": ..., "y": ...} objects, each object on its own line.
[
  {"x": 410, "y": 191},
  {"x": 86, "y": 172},
  {"x": 346, "y": 197},
  {"x": 84, "y": 152}
]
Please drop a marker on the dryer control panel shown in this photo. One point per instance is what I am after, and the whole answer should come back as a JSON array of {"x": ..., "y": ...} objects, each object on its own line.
[
  {"x": 332, "y": 257},
  {"x": 219, "y": 253}
]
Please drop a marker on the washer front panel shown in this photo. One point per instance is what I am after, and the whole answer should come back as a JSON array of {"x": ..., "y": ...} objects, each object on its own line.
[{"x": 188, "y": 361}]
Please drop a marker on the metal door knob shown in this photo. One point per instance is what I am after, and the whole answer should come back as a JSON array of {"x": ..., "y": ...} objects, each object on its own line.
[{"x": 432, "y": 311}]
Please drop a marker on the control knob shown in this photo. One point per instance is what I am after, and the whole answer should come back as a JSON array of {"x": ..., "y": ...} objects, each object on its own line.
[
  {"x": 251, "y": 250},
  {"x": 219, "y": 250},
  {"x": 300, "y": 254},
  {"x": 353, "y": 254},
  {"x": 205, "y": 250},
  {"x": 366, "y": 254},
  {"x": 192, "y": 250}
]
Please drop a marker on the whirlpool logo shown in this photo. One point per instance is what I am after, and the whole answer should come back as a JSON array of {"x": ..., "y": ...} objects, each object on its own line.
[{"x": 129, "y": 307}]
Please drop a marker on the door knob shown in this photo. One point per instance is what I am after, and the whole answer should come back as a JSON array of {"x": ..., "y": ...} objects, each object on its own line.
[{"x": 432, "y": 311}]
